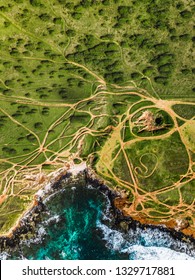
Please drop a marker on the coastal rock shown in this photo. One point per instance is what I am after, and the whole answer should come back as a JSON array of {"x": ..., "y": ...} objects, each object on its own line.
[
  {"x": 181, "y": 224},
  {"x": 124, "y": 225},
  {"x": 121, "y": 202}
]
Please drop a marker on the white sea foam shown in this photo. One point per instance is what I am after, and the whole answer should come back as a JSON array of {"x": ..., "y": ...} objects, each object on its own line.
[
  {"x": 77, "y": 168},
  {"x": 158, "y": 238},
  {"x": 106, "y": 215},
  {"x": 140, "y": 252},
  {"x": 23, "y": 258},
  {"x": 36, "y": 240},
  {"x": 52, "y": 195},
  {"x": 90, "y": 187},
  {"x": 114, "y": 239},
  {"x": 55, "y": 218},
  {"x": 4, "y": 256},
  {"x": 45, "y": 190},
  {"x": 41, "y": 231},
  {"x": 123, "y": 243},
  {"x": 47, "y": 258}
]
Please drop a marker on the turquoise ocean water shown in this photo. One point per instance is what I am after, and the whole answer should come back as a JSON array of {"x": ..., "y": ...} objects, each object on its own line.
[{"x": 78, "y": 224}]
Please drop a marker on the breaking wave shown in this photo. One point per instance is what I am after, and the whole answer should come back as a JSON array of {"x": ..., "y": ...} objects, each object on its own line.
[{"x": 148, "y": 244}]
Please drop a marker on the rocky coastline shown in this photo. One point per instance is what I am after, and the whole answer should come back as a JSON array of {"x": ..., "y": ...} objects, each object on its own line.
[
  {"x": 124, "y": 221},
  {"x": 26, "y": 227}
]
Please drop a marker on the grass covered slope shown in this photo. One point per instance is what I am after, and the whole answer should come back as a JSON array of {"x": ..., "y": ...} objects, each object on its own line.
[{"x": 110, "y": 82}]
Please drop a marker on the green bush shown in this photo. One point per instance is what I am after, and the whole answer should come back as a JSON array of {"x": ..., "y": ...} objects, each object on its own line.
[
  {"x": 135, "y": 75},
  {"x": 76, "y": 15},
  {"x": 161, "y": 80},
  {"x": 70, "y": 32},
  {"x": 35, "y": 3},
  {"x": 185, "y": 37},
  {"x": 186, "y": 14}
]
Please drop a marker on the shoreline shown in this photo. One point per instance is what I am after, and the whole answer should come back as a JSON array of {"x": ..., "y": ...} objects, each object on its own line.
[
  {"x": 25, "y": 227},
  {"x": 52, "y": 179},
  {"x": 175, "y": 226},
  {"x": 129, "y": 221}
]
